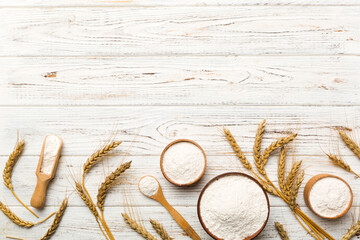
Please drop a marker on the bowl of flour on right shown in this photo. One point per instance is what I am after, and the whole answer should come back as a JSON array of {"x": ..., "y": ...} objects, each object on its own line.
[{"x": 328, "y": 196}]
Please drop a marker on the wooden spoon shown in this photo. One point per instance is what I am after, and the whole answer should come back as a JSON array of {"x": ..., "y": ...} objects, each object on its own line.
[
  {"x": 159, "y": 196},
  {"x": 46, "y": 174}
]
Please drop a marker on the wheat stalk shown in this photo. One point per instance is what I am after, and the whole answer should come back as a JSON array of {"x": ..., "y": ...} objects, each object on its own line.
[
  {"x": 281, "y": 171},
  {"x": 137, "y": 227},
  {"x": 159, "y": 228},
  {"x": 350, "y": 143},
  {"x": 107, "y": 184},
  {"x": 275, "y": 145},
  {"x": 295, "y": 190},
  {"x": 257, "y": 143},
  {"x": 96, "y": 156},
  {"x": 56, "y": 222},
  {"x": 237, "y": 149},
  {"x": 280, "y": 229},
  {"x": 352, "y": 231}
]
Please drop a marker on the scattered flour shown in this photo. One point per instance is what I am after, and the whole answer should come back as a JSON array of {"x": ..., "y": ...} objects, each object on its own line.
[
  {"x": 329, "y": 197},
  {"x": 52, "y": 145},
  {"x": 183, "y": 162},
  {"x": 148, "y": 186},
  {"x": 233, "y": 207}
]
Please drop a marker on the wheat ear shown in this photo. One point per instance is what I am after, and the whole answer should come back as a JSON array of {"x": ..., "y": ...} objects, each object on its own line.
[
  {"x": 295, "y": 190},
  {"x": 107, "y": 184},
  {"x": 9, "y": 167},
  {"x": 350, "y": 143},
  {"x": 18, "y": 221},
  {"x": 96, "y": 156},
  {"x": 275, "y": 145},
  {"x": 237, "y": 149},
  {"x": 338, "y": 161},
  {"x": 86, "y": 200},
  {"x": 352, "y": 231},
  {"x": 58, "y": 216},
  {"x": 159, "y": 228},
  {"x": 281, "y": 171},
  {"x": 292, "y": 175},
  {"x": 268, "y": 188},
  {"x": 137, "y": 227},
  {"x": 257, "y": 143},
  {"x": 280, "y": 229}
]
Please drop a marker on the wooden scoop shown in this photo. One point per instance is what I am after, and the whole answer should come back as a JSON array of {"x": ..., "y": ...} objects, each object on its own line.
[
  {"x": 50, "y": 153},
  {"x": 159, "y": 196}
]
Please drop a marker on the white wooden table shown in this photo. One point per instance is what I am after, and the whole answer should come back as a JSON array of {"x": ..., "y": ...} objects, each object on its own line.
[{"x": 155, "y": 71}]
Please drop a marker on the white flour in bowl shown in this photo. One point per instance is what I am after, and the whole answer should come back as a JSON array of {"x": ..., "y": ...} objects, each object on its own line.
[
  {"x": 52, "y": 145},
  {"x": 183, "y": 162},
  {"x": 329, "y": 197},
  {"x": 233, "y": 207},
  {"x": 148, "y": 186}
]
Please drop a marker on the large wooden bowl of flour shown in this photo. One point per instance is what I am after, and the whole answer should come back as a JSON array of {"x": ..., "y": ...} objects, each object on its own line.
[{"x": 233, "y": 206}]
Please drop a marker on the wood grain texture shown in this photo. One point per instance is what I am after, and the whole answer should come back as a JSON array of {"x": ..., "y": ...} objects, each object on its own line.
[
  {"x": 180, "y": 81},
  {"x": 248, "y": 30}
]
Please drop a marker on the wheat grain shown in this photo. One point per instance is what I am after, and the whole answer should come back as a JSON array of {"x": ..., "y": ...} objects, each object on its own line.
[
  {"x": 137, "y": 227},
  {"x": 86, "y": 200},
  {"x": 96, "y": 156},
  {"x": 18, "y": 221},
  {"x": 107, "y": 184},
  {"x": 352, "y": 231},
  {"x": 350, "y": 143},
  {"x": 257, "y": 143},
  {"x": 237, "y": 149},
  {"x": 159, "y": 228},
  {"x": 58, "y": 216},
  {"x": 292, "y": 175},
  {"x": 275, "y": 145},
  {"x": 9, "y": 166},
  {"x": 295, "y": 190},
  {"x": 280, "y": 229},
  {"x": 281, "y": 171}
]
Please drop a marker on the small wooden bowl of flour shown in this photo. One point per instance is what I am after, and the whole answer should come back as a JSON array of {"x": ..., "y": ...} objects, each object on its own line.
[
  {"x": 183, "y": 162},
  {"x": 328, "y": 196},
  {"x": 233, "y": 206}
]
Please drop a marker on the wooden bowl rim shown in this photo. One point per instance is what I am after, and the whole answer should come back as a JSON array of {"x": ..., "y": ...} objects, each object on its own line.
[
  {"x": 162, "y": 156},
  {"x": 311, "y": 183},
  {"x": 224, "y": 175}
]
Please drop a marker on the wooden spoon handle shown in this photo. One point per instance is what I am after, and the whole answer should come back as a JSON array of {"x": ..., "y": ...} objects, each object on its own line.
[
  {"x": 38, "y": 197},
  {"x": 181, "y": 221}
]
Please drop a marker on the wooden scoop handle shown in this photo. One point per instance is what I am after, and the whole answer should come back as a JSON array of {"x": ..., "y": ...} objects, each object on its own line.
[
  {"x": 180, "y": 220},
  {"x": 39, "y": 195}
]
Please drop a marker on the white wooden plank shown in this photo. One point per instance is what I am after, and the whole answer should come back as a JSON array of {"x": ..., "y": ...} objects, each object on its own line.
[
  {"x": 180, "y": 81},
  {"x": 147, "y": 3},
  {"x": 147, "y": 130},
  {"x": 248, "y": 30}
]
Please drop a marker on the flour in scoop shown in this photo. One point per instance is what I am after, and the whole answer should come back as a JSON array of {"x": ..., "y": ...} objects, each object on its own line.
[
  {"x": 183, "y": 162},
  {"x": 329, "y": 197},
  {"x": 148, "y": 186},
  {"x": 233, "y": 207},
  {"x": 52, "y": 145}
]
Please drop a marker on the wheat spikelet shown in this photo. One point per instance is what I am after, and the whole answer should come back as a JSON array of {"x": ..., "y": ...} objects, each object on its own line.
[
  {"x": 292, "y": 175},
  {"x": 237, "y": 149},
  {"x": 96, "y": 156},
  {"x": 281, "y": 171},
  {"x": 107, "y": 184},
  {"x": 352, "y": 231},
  {"x": 159, "y": 228},
  {"x": 275, "y": 145},
  {"x": 280, "y": 229},
  {"x": 295, "y": 190},
  {"x": 15, "y": 218},
  {"x": 58, "y": 216},
  {"x": 137, "y": 227},
  {"x": 86, "y": 200},
  {"x": 350, "y": 143},
  {"x": 257, "y": 143},
  {"x": 14, "y": 156}
]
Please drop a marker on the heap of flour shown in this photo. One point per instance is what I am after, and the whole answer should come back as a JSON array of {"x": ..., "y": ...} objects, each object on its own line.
[
  {"x": 233, "y": 207},
  {"x": 148, "y": 186},
  {"x": 183, "y": 162},
  {"x": 330, "y": 197},
  {"x": 51, "y": 149}
]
